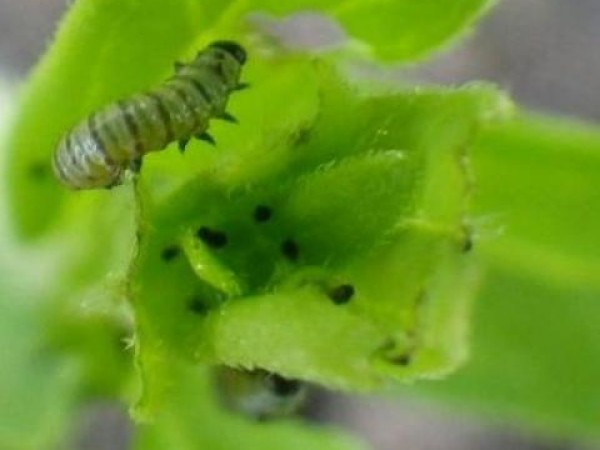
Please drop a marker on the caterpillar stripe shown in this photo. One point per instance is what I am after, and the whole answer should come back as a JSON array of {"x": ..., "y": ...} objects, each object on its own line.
[{"x": 96, "y": 152}]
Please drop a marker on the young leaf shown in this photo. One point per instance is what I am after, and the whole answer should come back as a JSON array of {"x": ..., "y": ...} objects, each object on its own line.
[{"x": 371, "y": 196}]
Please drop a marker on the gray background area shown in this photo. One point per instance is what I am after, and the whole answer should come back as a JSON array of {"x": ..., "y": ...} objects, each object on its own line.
[{"x": 545, "y": 52}]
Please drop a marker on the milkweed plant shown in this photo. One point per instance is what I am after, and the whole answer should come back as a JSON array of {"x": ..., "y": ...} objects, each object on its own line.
[{"x": 349, "y": 233}]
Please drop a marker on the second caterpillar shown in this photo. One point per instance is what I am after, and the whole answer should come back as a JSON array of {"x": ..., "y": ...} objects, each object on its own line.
[{"x": 97, "y": 151}]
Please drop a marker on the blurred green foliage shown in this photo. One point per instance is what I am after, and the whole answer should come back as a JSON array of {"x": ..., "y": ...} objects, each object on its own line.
[
  {"x": 375, "y": 190},
  {"x": 536, "y": 346}
]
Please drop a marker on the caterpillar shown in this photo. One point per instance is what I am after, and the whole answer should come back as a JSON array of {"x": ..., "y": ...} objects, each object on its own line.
[
  {"x": 259, "y": 394},
  {"x": 96, "y": 152}
]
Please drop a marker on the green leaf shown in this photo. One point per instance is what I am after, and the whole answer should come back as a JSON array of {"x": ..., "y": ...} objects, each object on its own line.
[
  {"x": 536, "y": 357},
  {"x": 372, "y": 193},
  {"x": 404, "y": 30},
  {"x": 37, "y": 390},
  {"x": 61, "y": 347},
  {"x": 546, "y": 207},
  {"x": 392, "y": 30}
]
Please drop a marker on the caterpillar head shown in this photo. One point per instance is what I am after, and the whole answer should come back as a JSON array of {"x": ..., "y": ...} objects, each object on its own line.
[{"x": 233, "y": 48}]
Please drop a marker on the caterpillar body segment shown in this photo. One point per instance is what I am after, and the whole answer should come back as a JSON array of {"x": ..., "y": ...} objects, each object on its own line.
[{"x": 96, "y": 152}]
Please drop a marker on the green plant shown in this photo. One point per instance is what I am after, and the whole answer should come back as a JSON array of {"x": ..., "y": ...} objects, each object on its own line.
[{"x": 367, "y": 186}]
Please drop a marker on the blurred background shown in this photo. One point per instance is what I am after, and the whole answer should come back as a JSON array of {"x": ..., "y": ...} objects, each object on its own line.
[{"x": 544, "y": 52}]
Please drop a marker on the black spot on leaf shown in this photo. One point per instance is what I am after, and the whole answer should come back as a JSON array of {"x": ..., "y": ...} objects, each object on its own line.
[
  {"x": 170, "y": 253},
  {"x": 467, "y": 244},
  {"x": 290, "y": 250},
  {"x": 402, "y": 360},
  {"x": 197, "y": 306},
  {"x": 213, "y": 238},
  {"x": 341, "y": 294},
  {"x": 262, "y": 213}
]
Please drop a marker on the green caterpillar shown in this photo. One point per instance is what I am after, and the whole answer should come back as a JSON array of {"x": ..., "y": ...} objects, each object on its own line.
[{"x": 97, "y": 151}]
